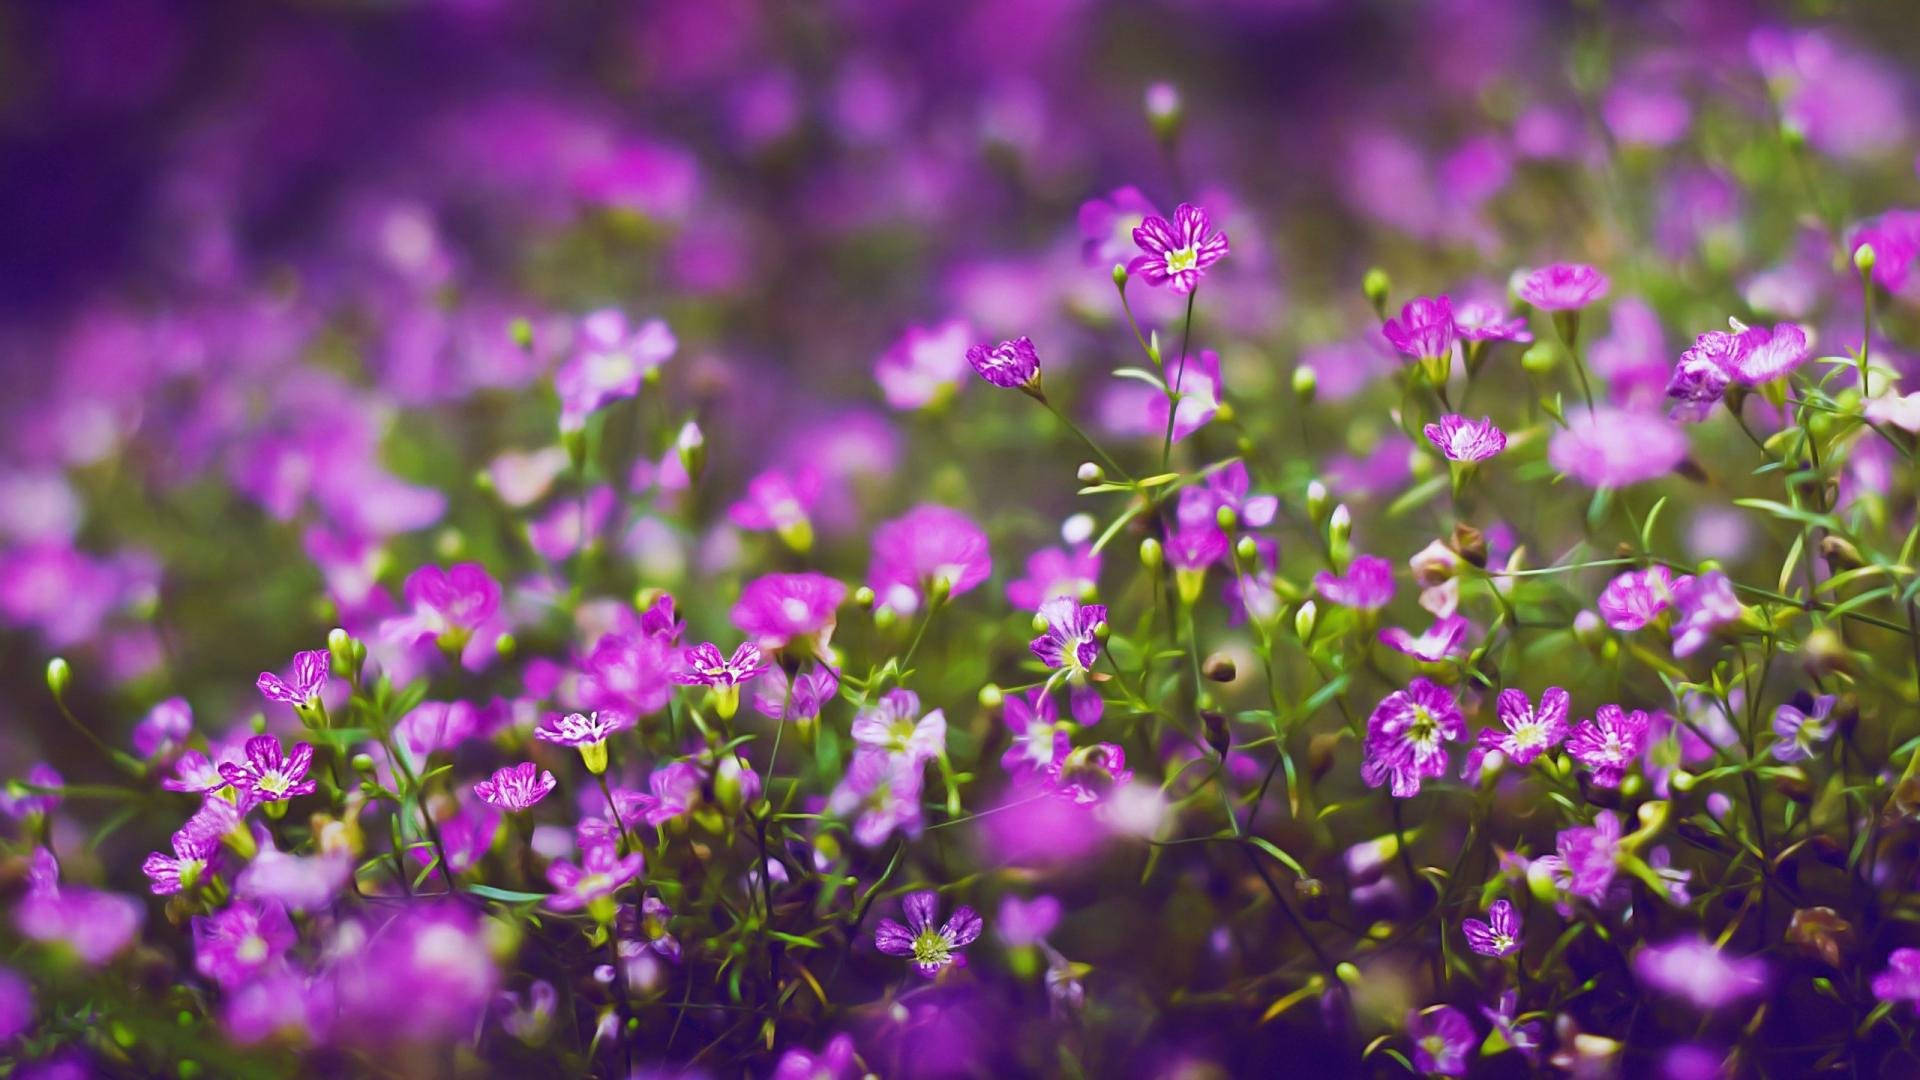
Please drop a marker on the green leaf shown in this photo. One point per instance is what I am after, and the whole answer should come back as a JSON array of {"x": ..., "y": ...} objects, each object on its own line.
[{"x": 505, "y": 896}]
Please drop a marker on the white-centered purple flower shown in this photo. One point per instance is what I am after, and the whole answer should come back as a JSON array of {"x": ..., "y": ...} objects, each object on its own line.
[
  {"x": 516, "y": 787},
  {"x": 1014, "y": 365},
  {"x": 302, "y": 686},
  {"x": 1177, "y": 252},
  {"x": 1803, "y": 731},
  {"x": 1463, "y": 439},
  {"x": 1637, "y": 597},
  {"x": 1703, "y": 604},
  {"x": 1498, "y": 934},
  {"x": 1366, "y": 586},
  {"x": 1407, "y": 735},
  {"x": 1610, "y": 741},
  {"x": 268, "y": 774},
  {"x": 1530, "y": 731},
  {"x": 896, "y": 726},
  {"x": 1071, "y": 641},
  {"x": 705, "y": 665}
]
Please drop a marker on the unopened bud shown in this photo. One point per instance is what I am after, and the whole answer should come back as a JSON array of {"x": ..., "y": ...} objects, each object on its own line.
[
  {"x": 1540, "y": 358},
  {"x": 1306, "y": 383},
  {"x": 1246, "y": 549},
  {"x": 1039, "y": 623},
  {"x": 991, "y": 696},
  {"x": 1120, "y": 275},
  {"x": 1151, "y": 553},
  {"x": 1864, "y": 257},
  {"x": 1164, "y": 109},
  {"x": 505, "y": 645},
  {"x": 1219, "y": 736},
  {"x": 1304, "y": 620},
  {"x": 362, "y": 763},
  {"x": 521, "y": 331},
  {"x": 1091, "y": 473},
  {"x": 1316, "y": 499},
  {"x": 691, "y": 445},
  {"x": 1375, "y": 286},
  {"x": 863, "y": 597},
  {"x": 59, "y": 677},
  {"x": 1226, "y": 519}
]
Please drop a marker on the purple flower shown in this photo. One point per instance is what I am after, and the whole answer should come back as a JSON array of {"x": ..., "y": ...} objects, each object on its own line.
[
  {"x": 1194, "y": 548},
  {"x": 195, "y": 847},
  {"x": 234, "y": 944},
  {"x": 1700, "y": 379},
  {"x": 924, "y": 365},
  {"x": 1522, "y": 1037},
  {"x": 1366, "y": 586},
  {"x": 1038, "y": 744},
  {"x": 809, "y": 693},
  {"x": 1609, "y": 742},
  {"x": 303, "y": 684},
  {"x": 705, "y": 666},
  {"x": 1461, "y": 439},
  {"x": 163, "y": 729},
  {"x": 516, "y": 787},
  {"x": 1530, "y": 731},
  {"x": 1025, "y": 923},
  {"x": 1177, "y": 252},
  {"x": 591, "y": 884},
  {"x": 778, "y": 501},
  {"x": 1704, "y": 603},
  {"x": 1801, "y": 732},
  {"x": 1768, "y": 354},
  {"x": 833, "y": 1062},
  {"x": 609, "y": 363},
  {"x": 672, "y": 790},
  {"x": 194, "y": 772},
  {"x": 896, "y": 727},
  {"x": 1071, "y": 641},
  {"x": 1055, "y": 572},
  {"x": 1498, "y": 935},
  {"x": 1901, "y": 981},
  {"x": 1611, "y": 447},
  {"x": 1088, "y": 774},
  {"x": 1407, "y": 735},
  {"x": 642, "y": 933},
  {"x": 306, "y": 883},
  {"x": 18, "y": 803},
  {"x": 269, "y": 775},
  {"x": 629, "y": 672},
  {"x": 927, "y": 544},
  {"x": 1011, "y": 364},
  {"x": 1637, "y": 597},
  {"x": 1586, "y": 857},
  {"x": 932, "y": 948},
  {"x": 447, "y": 605},
  {"x": 1563, "y": 287},
  {"x": 776, "y": 608},
  {"x": 1424, "y": 330},
  {"x": 1106, "y": 225},
  {"x": 1442, "y": 1038},
  {"x": 1226, "y": 489},
  {"x": 883, "y": 792},
  {"x": 95, "y": 925},
  {"x": 585, "y": 732},
  {"x": 1475, "y": 321},
  {"x": 1446, "y": 637},
  {"x": 1696, "y": 969}
]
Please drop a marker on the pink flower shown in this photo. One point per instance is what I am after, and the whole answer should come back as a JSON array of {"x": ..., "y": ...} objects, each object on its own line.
[
  {"x": 1609, "y": 742},
  {"x": 778, "y": 501},
  {"x": 447, "y": 605},
  {"x": 268, "y": 774},
  {"x": 1366, "y": 586},
  {"x": 1179, "y": 252},
  {"x": 1563, "y": 287},
  {"x": 1701, "y": 972},
  {"x": 1461, "y": 439},
  {"x": 1901, "y": 981},
  {"x": 929, "y": 543},
  {"x": 1011, "y": 364},
  {"x": 600, "y": 874},
  {"x": 705, "y": 666},
  {"x": 1424, "y": 329},
  {"x": 777, "y": 608},
  {"x": 303, "y": 684},
  {"x": 1071, "y": 641},
  {"x": 895, "y": 726},
  {"x": 1529, "y": 732},
  {"x": 1446, "y": 637},
  {"x": 931, "y": 948},
  {"x": 1498, "y": 935},
  {"x": 516, "y": 787},
  {"x": 609, "y": 363},
  {"x": 924, "y": 365},
  {"x": 1611, "y": 447},
  {"x": 1055, "y": 572},
  {"x": 882, "y": 792},
  {"x": 1037, "y": 745},
  {"x": 1704, "y": 603},
  {"x": 1769, "y": 354},
  {"x": 1475, "y": 321},
  {"x": 578, "y": 729},
  {"x": 1407, "y": 735},
  {"x": 1637, "y": 597}
]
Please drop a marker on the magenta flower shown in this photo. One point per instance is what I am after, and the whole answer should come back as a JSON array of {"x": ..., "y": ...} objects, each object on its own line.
[
  {"x": 1194, "y": 548},
  {"x": 1703, "y": 604},
  {"x": 1014, "y": 365},
  {"x": 629, "y": 672},
  {"x": 163, "y": 730},
  {"x": 303, "y": 684},
  {"x": 1442, "y": 1040},
  {"x": 1901, "y": 981},
  {"x": 1609, "y": 742},
  {"x": 1366, "y": 586},
  {"x": 895, "y": 726},
  {"x": 776, "y": 608},
  {"x": 882, "y": 791},
  {"x": 809, "y": 693},
  {"x": 1072, "y": 641},
  {"x": 601, "y": 873},
  {"x": 95, "y": 925},
  {"x": 1090, "y": 773},
  {"x": 1529, "y": 732},
  {"x": 1701, "y": 972},
  {"x": 1498, "y": 935},
  {"x": 1038, "y": 745},
  {"x": 926, "y": 544},
  {"x": 1586, "y": 857},
  {"x": 446, "y": 605},
  {"x": 1026, "y": 923},
  {"x": 1637, "y": 597},
  {"x": 1446, "y": 637},
  {"x": 1227, "y": 489},
  {"x": 1769, "y": 354},
  {"x": 302, "y": 883},
  {"x": 705, "y": 666},
  {"x": 269, "y": 775},
  {"x": 1055, "y": 572},
  {"x": 779, "y": 501},
  {"x": 1611, "y": 447},
  {"x": 582, "y": 729},
  {"x": 1475, "y": 321},
  {"x": 1106, "y": 225},
  {"x": 1424, "y": 329},
  {"x": 1802, "y": 732},
  {"x": 924, "y": 365},
  {"x": 196, "y": 847},
  {"x": 25, "y": 803},
  {"x": 1179, "y": 252},
  {"x": 1407, "y": 735},
  {"x": 672, "y": 790},
  {"x": 1700, "y": 379},
  {"x": 516, "y": 787},
  {"x": 237, "y": 942},
  {"x": 835, "y": 1061},
  {"x": 1563, "y": 287},
  {"x": 1522, "y": 1037},
  {"x": 1461, "y": 439},
  {"x": 609, "y": 362},
  {"x": 932, "y": 948}
]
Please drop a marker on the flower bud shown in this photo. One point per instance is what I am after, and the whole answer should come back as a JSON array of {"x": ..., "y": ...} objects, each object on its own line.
[
  {"x": 1151, "y": 553},
  {"x": 1226, "y": 519},
  {"x": 340, "y": 648},
  {"x": 1375, "y": 286},
  {"x": 1039, "y": 623},
  {"x": 1245, "y": 549},
  {"x": 863, "y": 597},
  {"x": 1219, "y": 736},
  {"x": 1120, "y": 275},
  {"x": 1306, "y": 384},
  {"x": 1220, "y": 668},
  {"x": 1316, "y": 499},
  {"x": 1540, "y": 358},
  {"x": 1864, "y": 258},
  {"x": 521, "y": 331},
  {"x": 504, "y": 645},
  {"x": 1090, "y": 473},
  {"x": 1304, "y": 619},
  {"x": 1164, "y": 109},
  {"x": 59, "y": 677},
  {"x": 991, "y": 696},
  {"x": 362, "y": 763},
  {"x": 691, "y": 446},
  {"x": 884, "y": 618}
]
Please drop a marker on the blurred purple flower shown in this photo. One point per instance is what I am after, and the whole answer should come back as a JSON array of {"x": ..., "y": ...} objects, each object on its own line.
[
  {"x": 1447, "y": 637},
  {"x": 925, "y": 365},
  {"x": 1801, "y": 732},
  {"x": 1366, "y": 586},
  {"x": 1461, "y": 439},
  {"x": 1703, "y": 603},
  {"x": 1055, "y": 572},
  {"x": 1701, "y": 972},
  {"x": 776, "y": 608},
  {"x": 609, "y": 361},
  {"x": 926, "y": 544},
  {"x": 1637, "y": 597},
  {"x": 233, "y": 944},
  {"x": 1563, "y": 287},
  {"x": 1442, "y": 1038}
]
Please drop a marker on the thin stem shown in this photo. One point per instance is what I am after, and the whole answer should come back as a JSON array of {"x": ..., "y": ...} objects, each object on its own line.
[{"x": 1180, "y": 374}]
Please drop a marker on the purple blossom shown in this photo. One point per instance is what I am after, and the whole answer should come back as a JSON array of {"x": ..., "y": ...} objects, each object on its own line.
[
  {"x": 1498, "y": 934},
  {"x": 232, "y": 945},
  {"x": 1701, "y": 972},
  {"x": 1475, "y": 321},
  {"x": 924, "y": 365},
  {"x": 1530, "y": 731},
  {"x": 1424, "y": 329},
  {"x": 833, "y": 1062},
  {"x": 267, "y": 774},
  {"x": 776, "y": 608},
  {"x": 302, "y": 883},
  {"x": 629, "y": 672},
  {"x": 932, "y": 948},
  {"x": 672, "y": 790},
  {"x": 1462, "y": 439},
  {"x": 1768, "y": 354},
  {"x": 600, "y": 873},
  {"x": 779, "y": 501},
  {"x": 1011, "y": 364},
  {"x": 1801, "y": 732},
  {"x": 516, "y": 787},
  {"x": 1025, "y": 923},
  {"x": 705, "y": 666},
  {"x": 1637, "y": 597},
  {"x": 882, "y": 793},
  {"x": 1199, "y": 386},
  {"x": 1442, "y": 1040},
  {"x": 1194, "y": 548},
  {"x": 1106, "y": 225},
  {"x": 1609, "y": 742},
  {"x": 582, "y": 729},
  {"x": 1090, "y": 773},
  {"x": 1704, "y": 603},
  {"x": 1038, "y": 745},
  {"x": 609, "y": 362},
  {"x": 1055, "y": 572},
  {"x": 808, "y": 694},
  {"x": 1901, "y": 981},
  {"x": 1071, "y": 641},
  {"x": 303, "y": 684},
  {"x": 1226, "y": 489},
  {"x": 1700, "y": 379},
  {"x": 18, "y": 803},
  {"x": 1366, "y": 586},
  {"x": 192, "y": 771},
  {"x": 1446, "y": 637},
  {"x": 1407, "y": 735},
  {"x": 1179, "y": 252},
  {"x": 895, "y": 726},
  {"x": 95, "y": 925},
  {"x": 447, "y": 605},
  {"x": 1563, "y": 287},
  {"x": 164, "y": 728},
  {"x": 1522, "y": 1037},
  {"x": 1612, "y": 447},
  {"x": 928, "y": 543},
  {"x": 1586, "y": 857}
]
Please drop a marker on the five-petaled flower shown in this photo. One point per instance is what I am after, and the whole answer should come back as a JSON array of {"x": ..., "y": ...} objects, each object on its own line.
[
  {"x": 196, "y": 847},
  {"x": 1407, "y": 735},
  {"x": 266, "y": 774},
  {"x": 516, "y": 787},
  {"x": 895, "y": 726},
  {"x": 1013, "y": 364},
  {"x": 1178, "y": 252},
  {"x": 704, "y": 665},
  {"x": 1530, "y": 731},
  {"x": 585, "y": 732},
  {"x": 1609, "y": 742},
  {"x": 301, "y": 688},
  {"x": 1071, "y": 640},
  {"x": 1498, "y": 934},
  {"x": 931, "y": 947},
  {"x": 592, "y": 883}
]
